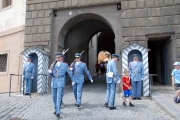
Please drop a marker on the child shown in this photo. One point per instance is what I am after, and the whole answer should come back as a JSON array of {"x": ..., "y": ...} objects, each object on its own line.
[
  {"x": 126, "y": 83},
  {"x": 176, "y": 75}
]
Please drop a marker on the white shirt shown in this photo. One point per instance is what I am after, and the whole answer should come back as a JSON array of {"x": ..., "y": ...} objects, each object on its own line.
[
  {"x": 58, "y": 63},
  {"x": 77, "y": 63},
  {"x": 135, "y": 62}
]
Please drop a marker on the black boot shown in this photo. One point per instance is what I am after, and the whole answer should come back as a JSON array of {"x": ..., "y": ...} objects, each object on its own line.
[
  {"x": 112, "y": 108},
  {"x": 106, "y": 105},
  {"x": 134, "y": 98},
  {"x": 54, "y": 112},
  {"x": 138, "y": 98},
  {"x": 58, "y": 115}
]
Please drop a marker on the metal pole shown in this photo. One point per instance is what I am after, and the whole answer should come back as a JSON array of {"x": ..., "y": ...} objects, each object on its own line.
[
  {"x": 151, "y": 87},
  {"x": 46, "y": 84},
  {"x": 30, "y": 87},
  {"x": 10, "y": 86},
  {"x": 23, "y": 85},
  {"x": 20, "y": 84}
]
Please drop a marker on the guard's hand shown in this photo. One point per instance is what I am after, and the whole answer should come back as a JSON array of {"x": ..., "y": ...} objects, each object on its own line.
[
  {"x": 70, "y": 68},
  {"x": 23, "y": 76},
  {"x": 50, "y": 71},
  {"x": 91, "y": 80},
  {"x": 32, "y": 77},
  {"x": 118, "y": 81},
  {"x": 73, "y": 83}
]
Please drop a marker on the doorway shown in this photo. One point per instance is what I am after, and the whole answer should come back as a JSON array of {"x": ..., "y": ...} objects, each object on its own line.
[
  {"x": 161, "y": 59},
  {"x": 34, "y": 81}
]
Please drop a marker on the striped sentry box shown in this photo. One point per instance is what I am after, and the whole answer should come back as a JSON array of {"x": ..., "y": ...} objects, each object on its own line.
[
  {"x": 144, "y": 52},
  {"x": 43, "y": 62}
]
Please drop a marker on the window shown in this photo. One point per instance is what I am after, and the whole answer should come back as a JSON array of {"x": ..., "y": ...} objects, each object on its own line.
[
  {"x": 5, "y": 3},
  {"x": 3, "y": 62}
]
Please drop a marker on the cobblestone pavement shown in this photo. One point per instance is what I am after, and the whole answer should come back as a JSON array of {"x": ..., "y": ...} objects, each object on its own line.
[{"x": 40, "y": 107}]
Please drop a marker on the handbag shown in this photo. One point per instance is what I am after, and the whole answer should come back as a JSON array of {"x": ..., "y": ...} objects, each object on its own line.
[{"x": 109, "y": 74}]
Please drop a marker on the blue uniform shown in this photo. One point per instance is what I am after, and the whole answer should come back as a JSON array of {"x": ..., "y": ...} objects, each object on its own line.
[
  {"x": 176, "y": 74},
  {"x": 111, "y": 82},
  {"x": 78, "y": 77},
  {"x": 28, "y": 73},
  {"x": 58, "y": 84},
  {"x": 137, "y": 74}
]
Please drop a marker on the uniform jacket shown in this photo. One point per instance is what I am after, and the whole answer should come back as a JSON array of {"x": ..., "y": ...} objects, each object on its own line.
[
  {"x": 112, "y": 67},
  {"x": 78, "y": 72},
  {"x": 28, "y": 70},
  {"x": 58, "y": 75},
  {"x": 136, "y": 71}
]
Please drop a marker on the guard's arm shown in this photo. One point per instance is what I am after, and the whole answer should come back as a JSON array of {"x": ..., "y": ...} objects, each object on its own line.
[
  {"x": 87, "y": 72},
  {"x": 130, "y": 69},
  {"x": 115, "y": 71},
  {"x": 33, "y": 71},
  {"x": 69, "y": 71}
]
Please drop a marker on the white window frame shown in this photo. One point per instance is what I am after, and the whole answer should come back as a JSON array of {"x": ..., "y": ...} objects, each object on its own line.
[{"x": 6, "y": 8}]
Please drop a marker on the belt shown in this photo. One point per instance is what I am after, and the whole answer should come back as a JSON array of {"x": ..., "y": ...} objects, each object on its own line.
[
  {"x": 77, "y": 73},
  {"x": 28, "y": 73},
  {"x": 58, "y": 77}
]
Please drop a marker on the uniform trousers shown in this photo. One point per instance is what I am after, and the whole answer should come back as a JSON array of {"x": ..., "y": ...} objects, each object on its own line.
[
  {"x": 28, "y": 85},
  {"x": 110, "y": 94},
  {"x": 136, "y": 88},
  {"x": 57, "y": 94},
  {"x": 77, "y": 88}
]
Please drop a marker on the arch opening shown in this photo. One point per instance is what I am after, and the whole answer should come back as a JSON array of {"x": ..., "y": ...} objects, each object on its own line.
[{"x": 89, "y": 32}]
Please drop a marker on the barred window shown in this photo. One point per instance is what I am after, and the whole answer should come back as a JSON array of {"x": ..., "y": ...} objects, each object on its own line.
[{"x": 3, "y": 62}]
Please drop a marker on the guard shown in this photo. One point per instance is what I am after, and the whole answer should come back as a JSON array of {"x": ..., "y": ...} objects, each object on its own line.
[
  {"x": 57, "y": 71},
  {"x": 28, "y": 74},
  {"x": 78, "y": 68},
  {"x": 136, "y": 69},
  {"x": 112, "y": 78}
]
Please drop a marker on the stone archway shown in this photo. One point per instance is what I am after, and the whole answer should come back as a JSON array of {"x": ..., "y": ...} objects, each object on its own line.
[{"x": 86, "y": 22}]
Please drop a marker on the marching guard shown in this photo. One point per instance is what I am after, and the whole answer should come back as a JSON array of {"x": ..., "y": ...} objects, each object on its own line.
[
  {"x": 78, "y": 68},
  {"x": 57, "y": 71}
]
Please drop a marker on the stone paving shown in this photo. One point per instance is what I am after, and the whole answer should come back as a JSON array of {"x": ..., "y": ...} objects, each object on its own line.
[{"x": 40, "y": 107}]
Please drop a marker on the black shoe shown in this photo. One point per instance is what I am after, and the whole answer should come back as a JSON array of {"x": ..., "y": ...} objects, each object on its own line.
[
  {"x": 134, "y": 98},
  {"x": 77, "y": 105},
  {"x": 112, "y": 108},
  {"x": 124, "y": 104},
  {"x": 138, "y": 98},
  {"x": 54, "y": 112},
  {"x": 58, "y": 115},
  {"x": 131, "y": 105},
  {"x": 106, "y": 105}
]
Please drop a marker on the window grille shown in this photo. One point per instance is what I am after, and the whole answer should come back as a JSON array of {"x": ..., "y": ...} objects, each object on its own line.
[{"x": 3, "y": 62}]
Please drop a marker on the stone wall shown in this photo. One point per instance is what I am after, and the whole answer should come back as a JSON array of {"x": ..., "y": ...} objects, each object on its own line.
[
  {"x": 149, "y": 17},
  {"x": 39, "y": 18}
]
